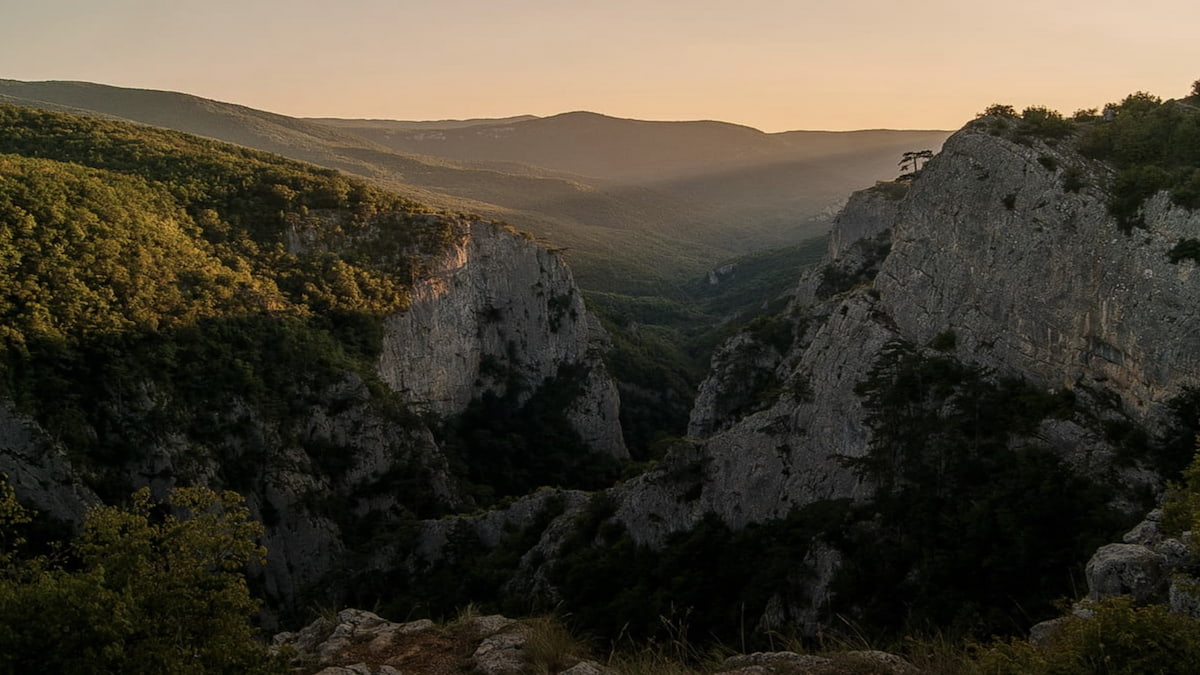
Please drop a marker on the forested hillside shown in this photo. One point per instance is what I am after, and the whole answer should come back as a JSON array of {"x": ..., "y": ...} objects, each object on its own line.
[
  {"x": 132, "y": 254},
  {"x": 636, "y": 207}
]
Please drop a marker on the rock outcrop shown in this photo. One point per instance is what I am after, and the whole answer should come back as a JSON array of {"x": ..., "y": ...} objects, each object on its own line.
[
  {"x": 360, "y": 642},
  {"x": 1037, "y": 280},
  {"x": 987, "y": 247},
  {"x": 987, "y": 255},
  {"x": 499, "y": 311},
  {"x": 356, "y": 642}
]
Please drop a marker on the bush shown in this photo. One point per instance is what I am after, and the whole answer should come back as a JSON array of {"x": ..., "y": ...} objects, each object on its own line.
[
  {"x": 944, "y": 341},
  {"x": 1073, "y": 179},
  {"x": 1119, "y": 639},
  {"x": 999, "y": 110},
  {"x": 1155, "y": 146},
  {"x": 965, "y": 527},
  {"x": 1043, "y": 122},
  {"x": 1186, "y": 249},
  {"x": 152, "y": 591}
]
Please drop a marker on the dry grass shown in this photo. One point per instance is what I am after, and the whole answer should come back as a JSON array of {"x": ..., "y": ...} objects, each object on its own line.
[
  {"x": 550, "y": 647},
  {"x": 649, "y": 662}
]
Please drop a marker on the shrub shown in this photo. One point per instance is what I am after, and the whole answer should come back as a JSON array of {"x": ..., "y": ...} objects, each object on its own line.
[
  {"x": 1119, "y": 639},
  {"x": 153, "y": 591},
  {"x": 1043, "y": 122},
  {"x": 999, "y": 110},
  {"x": 1134, "y": 185},
  {"x": 1186, "y": 249},
  {"x": 944, "y": 341},
  {"x": 1073, "y": 179}
]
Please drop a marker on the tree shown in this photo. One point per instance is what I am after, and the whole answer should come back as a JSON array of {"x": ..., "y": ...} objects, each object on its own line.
[
  {"x": 1196, "y": 88},
  {"x": 999, "y": 110},
  {"x": 151, "y": 588},
  {"x": 911, "y": 162}
]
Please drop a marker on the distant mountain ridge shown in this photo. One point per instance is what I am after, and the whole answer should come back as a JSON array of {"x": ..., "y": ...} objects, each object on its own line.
[
  {"x": 638, "y": 207},
  {"x": 619, "y": 149}
]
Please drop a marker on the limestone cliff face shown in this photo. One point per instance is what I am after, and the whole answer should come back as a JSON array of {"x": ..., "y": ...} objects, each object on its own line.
[
  {"x": 38, "y": 468},
  {"x": 866, "y": 214},
  {"x": 499, "y": 309},
  {"x": 1033, "y": 280},
  {"x": 770, "y": 425},
  {"x": 786, "y": 453},
  {"x": 1037, "y": 280}
]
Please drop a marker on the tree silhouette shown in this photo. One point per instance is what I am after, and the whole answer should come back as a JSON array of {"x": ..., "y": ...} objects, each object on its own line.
[{"x": 912, "y": 161}]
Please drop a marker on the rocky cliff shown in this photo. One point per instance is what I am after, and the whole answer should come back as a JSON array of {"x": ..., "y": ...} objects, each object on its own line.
[
  {"x": 499, "y": 311},
  {"x": 999, "y": 264},
  {"x": 1037, "y": 279},
  {"x": 991, "y": 251}
]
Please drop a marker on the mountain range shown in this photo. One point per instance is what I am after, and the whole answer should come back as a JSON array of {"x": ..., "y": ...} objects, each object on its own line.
[{"x": 637, "y": 207}]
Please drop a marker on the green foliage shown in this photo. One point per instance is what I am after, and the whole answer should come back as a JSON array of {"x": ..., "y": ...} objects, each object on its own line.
[
  {"x": 13, "y": 519},
  {"x": 1119, "y": 639},
  {"x": 1181, "y": 509},
  {"x": 1073, "y": 179},
  {"x": 155, "y": 588},
  {"x": 999, "y": 110},
  {"x": 662, "y": 346},
  {"x": 1155, "y": 146},
  {"x": 944, "y": 341},
  {"x": 153, "y": 282},
  {"x": 967, "y": 528},
  {"x": 839, "y": 277},
  {"x": 1134, "y": 185},
  {"x": 1186, "y": 249},
  {"x": 776, "y": 330},
  {"x": 1048, "y": 162},
  {"x": 467, "y": 573},
  {"x": 509, "y": 448},
  {"x": 710, "y": 580},
  {"x": 1042, "y": 122}
]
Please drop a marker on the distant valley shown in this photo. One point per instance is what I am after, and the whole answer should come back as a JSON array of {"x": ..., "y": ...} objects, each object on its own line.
[{"x": 637, "y": 208}]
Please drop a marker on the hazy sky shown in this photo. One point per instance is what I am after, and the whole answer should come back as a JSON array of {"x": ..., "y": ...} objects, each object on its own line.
[{"x": 771, "y": 64}]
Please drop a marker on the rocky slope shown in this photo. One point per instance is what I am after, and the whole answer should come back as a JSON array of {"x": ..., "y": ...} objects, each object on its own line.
[
  {"x": 355, "y": 642},
  {"x": 988, "y": 247},
  {"x": 499, "y": 310},
  {"x": 1039, "y": 280},
  {"x": 989, "y": 261}
]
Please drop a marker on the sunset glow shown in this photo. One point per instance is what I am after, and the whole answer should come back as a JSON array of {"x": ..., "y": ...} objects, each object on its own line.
[{"x": 771, "y": 64}]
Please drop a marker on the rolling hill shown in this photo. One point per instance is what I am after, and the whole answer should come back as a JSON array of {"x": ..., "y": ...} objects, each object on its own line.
[{"x": 636, "y": 207}]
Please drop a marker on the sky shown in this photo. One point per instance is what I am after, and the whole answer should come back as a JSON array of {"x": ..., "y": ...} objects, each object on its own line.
[{"x": 771, "y": 64}]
